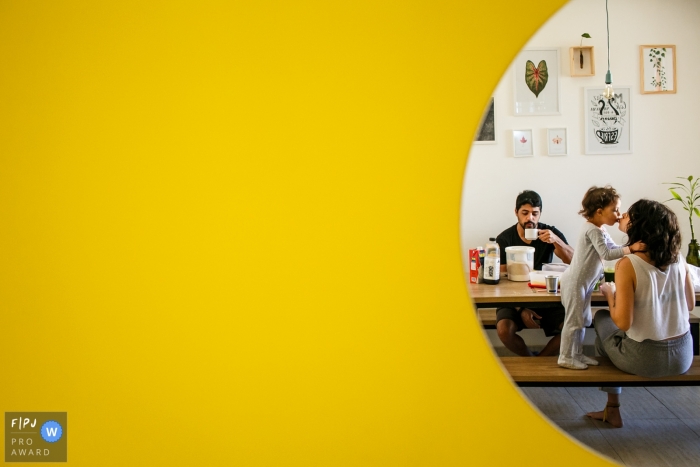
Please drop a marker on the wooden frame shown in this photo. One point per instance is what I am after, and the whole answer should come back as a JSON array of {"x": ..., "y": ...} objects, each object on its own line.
[
  {"x": 608, "y": 122},
  {"x": 557, "y": 142},
  {"x": 588, "y": 68},
  {"x": 542, "y": 99},
  {"x": 487, "y": 128},
  {"x": 522, "y": 143},
  {"x": 656, "y": 62}
]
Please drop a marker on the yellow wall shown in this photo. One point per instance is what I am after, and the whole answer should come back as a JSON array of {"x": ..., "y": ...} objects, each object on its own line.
[{"x": 229, "y": 232}]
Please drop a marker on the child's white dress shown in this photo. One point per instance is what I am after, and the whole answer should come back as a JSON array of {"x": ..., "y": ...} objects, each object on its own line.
[{"x": 577, "y": 285}]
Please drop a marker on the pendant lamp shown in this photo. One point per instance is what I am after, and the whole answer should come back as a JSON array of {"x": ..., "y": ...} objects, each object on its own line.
[{"x": 608, "y": 93}]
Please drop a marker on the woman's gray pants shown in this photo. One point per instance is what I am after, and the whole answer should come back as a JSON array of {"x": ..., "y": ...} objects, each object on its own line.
[{"x": 651, "y": 359}]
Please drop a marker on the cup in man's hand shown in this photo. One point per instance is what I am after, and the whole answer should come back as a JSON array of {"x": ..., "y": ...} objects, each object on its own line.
[{"x": 531, "y": 234}]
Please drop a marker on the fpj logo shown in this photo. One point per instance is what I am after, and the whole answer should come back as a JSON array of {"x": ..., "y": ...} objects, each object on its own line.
[{"x": 36, "y": 436}]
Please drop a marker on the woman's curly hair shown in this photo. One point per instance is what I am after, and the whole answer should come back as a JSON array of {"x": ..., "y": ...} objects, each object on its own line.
[
  {"x": 597, "y": 198},
  {"x": 657, "y": 226}
]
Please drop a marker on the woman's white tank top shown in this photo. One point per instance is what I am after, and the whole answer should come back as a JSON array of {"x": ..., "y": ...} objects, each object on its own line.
[{"x": 660, "y": 310}]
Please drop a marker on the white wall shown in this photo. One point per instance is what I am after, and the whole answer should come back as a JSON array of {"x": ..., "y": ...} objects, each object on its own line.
[{"x": 665, "y": 128}]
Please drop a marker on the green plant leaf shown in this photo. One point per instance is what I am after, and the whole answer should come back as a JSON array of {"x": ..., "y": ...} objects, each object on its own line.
[
  {"x": 685, "y": 190},
  {"x": 536, "y": 77},
  {"x": 697, "y": 211},
  {"x": 675, "y": 195},
  {"x": 690, "y": 178},
  {"x": 586, "y": 35}
]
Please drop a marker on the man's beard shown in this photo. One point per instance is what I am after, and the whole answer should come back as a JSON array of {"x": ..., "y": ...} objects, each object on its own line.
[{"x": 529, "y": 225}]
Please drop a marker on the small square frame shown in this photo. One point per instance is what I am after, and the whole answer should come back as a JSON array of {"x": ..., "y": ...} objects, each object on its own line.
[
  {"x": 522, "y": 143},
  {"x": 557, "y": 142},
  {"x": 575, "y": 54}
]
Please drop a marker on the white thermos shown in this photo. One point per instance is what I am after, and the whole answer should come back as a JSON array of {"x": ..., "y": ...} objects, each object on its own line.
[{"x": 492, "y": 262}]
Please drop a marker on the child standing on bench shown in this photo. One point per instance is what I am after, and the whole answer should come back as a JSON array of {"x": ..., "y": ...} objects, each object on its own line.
[{"x": 600, "y": 206}]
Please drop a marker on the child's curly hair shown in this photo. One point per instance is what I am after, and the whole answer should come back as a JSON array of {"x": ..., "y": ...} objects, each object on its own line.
[{"x": 597, "y": 198}]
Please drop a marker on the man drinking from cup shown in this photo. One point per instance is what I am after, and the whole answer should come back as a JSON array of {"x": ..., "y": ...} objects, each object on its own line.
[{"x": 547, "y": 240}]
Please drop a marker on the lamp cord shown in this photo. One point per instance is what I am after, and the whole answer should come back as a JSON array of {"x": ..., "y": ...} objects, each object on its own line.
[{"x": 607, "y": 25}]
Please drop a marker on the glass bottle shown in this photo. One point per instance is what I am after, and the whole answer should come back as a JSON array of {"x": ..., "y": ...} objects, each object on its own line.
[{"x": 693, "y": 253}]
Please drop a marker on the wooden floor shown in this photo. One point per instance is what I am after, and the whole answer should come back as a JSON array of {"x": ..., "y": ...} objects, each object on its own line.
[{"x": 662, "y": 424}]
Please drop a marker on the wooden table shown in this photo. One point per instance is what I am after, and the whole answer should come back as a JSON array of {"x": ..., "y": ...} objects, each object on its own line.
[
  {"x": 519, "y": 293},
  {"x": 493, "y": 296}
]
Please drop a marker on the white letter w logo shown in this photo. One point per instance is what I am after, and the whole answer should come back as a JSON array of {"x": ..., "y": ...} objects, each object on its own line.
[{"x": 52, "y": 431}]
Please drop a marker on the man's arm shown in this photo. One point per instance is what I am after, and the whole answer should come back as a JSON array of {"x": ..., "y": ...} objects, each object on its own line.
[
  {"x": 564, "y": 252},
  {"x": 562, "y": 249}
]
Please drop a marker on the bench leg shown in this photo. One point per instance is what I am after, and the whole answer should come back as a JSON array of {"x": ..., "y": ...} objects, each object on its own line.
[{"x": 695, "y": 333}]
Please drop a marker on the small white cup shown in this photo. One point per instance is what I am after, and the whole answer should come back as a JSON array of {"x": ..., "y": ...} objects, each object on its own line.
[{"x": 531, "y": 234}]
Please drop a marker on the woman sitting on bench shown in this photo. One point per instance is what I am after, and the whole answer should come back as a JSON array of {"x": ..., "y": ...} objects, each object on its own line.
[{"x": 646, "y": 331}]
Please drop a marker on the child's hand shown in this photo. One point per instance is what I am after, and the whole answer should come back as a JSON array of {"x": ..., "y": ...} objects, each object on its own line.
[
  {"x": 608, "y": 290},
  {"x": 638, "y": 247}
]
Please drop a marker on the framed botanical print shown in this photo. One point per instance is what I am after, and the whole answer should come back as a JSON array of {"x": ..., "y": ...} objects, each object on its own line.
[
  {"x": 522, "y": 143},
  {"x": 536, "y": 74},
  {"x": 557, "y": 142},
  {"x": 657, "y": 69}
]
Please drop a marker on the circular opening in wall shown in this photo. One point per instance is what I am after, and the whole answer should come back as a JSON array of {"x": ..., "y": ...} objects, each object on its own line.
[{"x": 549, "y": 133}]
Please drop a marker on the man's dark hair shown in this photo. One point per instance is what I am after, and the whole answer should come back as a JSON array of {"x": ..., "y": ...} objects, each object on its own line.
[
  {"x": 657, "y": 226},
  {"x": 528, "y": 197},
  {"x": 597, "y": 198}
]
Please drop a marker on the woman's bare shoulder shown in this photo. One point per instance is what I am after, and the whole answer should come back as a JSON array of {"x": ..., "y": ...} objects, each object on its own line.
[
  {"x": 625, "y": 269},
  {"x": 625, "y": 263}
]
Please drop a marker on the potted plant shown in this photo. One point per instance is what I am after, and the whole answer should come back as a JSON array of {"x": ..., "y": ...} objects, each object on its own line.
[
  {"x": 690, "y": 196},
  {"x": 582, "y": 59}
]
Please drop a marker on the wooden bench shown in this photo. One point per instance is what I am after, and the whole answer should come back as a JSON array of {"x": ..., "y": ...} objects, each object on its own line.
[
  {"x": 544, "y": 372},
  {"x": 487, "y": 316}
]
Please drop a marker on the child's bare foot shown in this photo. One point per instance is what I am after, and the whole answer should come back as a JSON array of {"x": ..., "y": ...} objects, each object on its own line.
[{"x": 611, "y": 415}]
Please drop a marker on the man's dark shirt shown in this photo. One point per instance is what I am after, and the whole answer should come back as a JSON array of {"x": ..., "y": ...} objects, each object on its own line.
[{"x": 543, "y": 251}]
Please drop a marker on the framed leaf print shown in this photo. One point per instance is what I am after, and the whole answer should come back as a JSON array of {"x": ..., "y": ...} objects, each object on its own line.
[
  {"x": 536, "y": 74},
  {"x": 522, "y": 143}
]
